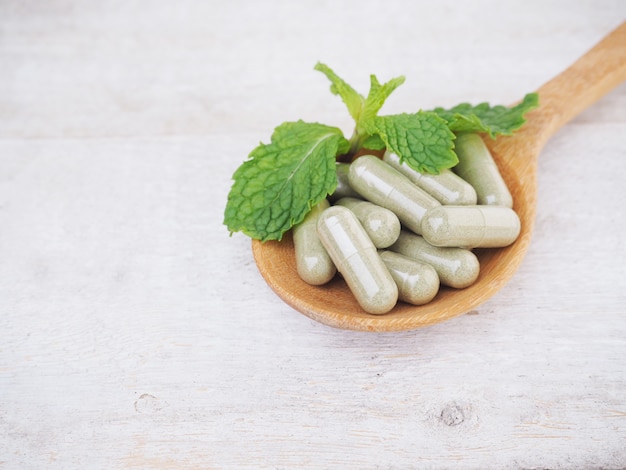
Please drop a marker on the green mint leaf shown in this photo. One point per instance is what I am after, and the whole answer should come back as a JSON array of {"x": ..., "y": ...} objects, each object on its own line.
[
  {"x": 280, "y": 182},
  {"x": 373, "y": 142},
  {"x": 353, "y": 100},
  {"x": 422, "y": 140},
  {"x": 492, "y": 120},
  {"x": 378, "y": 95}
]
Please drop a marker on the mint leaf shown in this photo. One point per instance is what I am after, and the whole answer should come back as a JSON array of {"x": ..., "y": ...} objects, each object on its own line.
[
  {"x": 485, "y": 118},
  {"x": 363, "y": 110},
  {"x": 378, "y": 95},
  {"x": 422, "y": 140},
  {"x": 353, "y": 100},
  {"x": 374, "y": 142},
  {"x": 282, "y": 180}
]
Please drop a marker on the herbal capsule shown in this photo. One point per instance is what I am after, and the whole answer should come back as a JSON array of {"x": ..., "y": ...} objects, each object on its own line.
[
  {"x": 380, "y": 224},
  {"x": 381, "y": 184},
  {"x": 357, "y": 260},
  {"x": 456, "y": 267},
  {"x": 447, "y": 187},
  {"x": 312, "y": 261},
  {"x": 418, "y": 283},
  {"x": 477, "y": 167},
  {"x": 343, "y": 185},
  {"x": 471, "y": 226}
]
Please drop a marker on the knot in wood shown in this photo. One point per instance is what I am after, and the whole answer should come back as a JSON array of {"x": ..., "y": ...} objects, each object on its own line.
[{"x": 452, "y": 415}]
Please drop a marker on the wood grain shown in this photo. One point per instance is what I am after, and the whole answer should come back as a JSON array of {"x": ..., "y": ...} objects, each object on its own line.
[{"x": 136, "y": 333}]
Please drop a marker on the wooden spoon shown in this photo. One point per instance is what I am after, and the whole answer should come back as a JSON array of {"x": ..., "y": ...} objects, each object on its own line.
[{"x": 561, "y": 99}]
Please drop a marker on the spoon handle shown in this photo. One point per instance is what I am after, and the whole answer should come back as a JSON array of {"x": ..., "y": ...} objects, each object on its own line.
[{"x": 592, "y": 76}]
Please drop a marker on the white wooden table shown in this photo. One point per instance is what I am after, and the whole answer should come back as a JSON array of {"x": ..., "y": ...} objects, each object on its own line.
[{"x": 135, "y": 333}]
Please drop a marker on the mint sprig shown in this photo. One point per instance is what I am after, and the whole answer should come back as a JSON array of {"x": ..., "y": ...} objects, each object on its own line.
[
  {"x": 281, "y": 181},
  {"x": 422, "y": 139}
]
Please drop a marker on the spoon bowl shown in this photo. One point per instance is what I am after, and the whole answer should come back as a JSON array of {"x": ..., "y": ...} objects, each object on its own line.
[{"x": 562, "y": 98}]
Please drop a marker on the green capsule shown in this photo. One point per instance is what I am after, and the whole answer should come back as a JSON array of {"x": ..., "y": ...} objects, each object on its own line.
[
  {"x": 418, "y": 283},
  {"x": 447, "y": 187},
  {"x": 343, "y": 185},
  {"x": 456, "y": 267},
  {"x": 471, "y": 226},
  {"x": 381, "y": 184},
  {"x": 313, "y": 264},
  {"x": 477, "y": 167},
  {"x": 357, "y": 260},
  {"x": 380, "y": 224}
]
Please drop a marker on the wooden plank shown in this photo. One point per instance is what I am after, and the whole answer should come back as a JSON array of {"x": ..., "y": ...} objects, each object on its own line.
[{"x": 135, "y": 333}]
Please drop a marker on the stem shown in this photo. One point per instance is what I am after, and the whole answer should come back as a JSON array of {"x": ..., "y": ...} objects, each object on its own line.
[{"x": 356, "y": 141}]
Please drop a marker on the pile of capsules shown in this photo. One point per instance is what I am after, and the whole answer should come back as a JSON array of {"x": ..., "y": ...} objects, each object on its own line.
[{"x": 396, "y": 234}]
